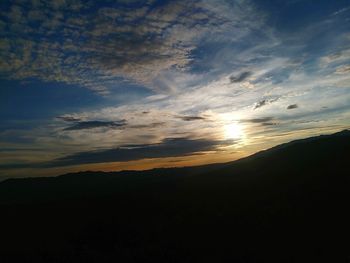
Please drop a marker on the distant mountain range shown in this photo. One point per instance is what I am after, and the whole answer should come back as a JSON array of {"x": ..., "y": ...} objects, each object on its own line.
[{"x": 289, "y": 203}]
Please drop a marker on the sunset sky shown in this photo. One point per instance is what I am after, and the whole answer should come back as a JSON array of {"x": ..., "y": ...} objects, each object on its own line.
[{"x": 125, "y": 84}]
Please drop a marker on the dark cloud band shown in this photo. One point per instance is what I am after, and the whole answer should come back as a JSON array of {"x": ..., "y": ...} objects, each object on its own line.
[
  {"x": 191, "y": 118},
  {"x": 83, "y": 125},
  {"x": 170, "y": 147}
]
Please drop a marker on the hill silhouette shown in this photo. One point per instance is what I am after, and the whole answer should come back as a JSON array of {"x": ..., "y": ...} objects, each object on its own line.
[{"x": 286, "y": 204}]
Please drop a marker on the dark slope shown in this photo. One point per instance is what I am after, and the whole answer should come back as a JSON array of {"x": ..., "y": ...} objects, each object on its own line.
[
  {"x": 92, "y": 184},
  {"x": 286, "y": 204}
]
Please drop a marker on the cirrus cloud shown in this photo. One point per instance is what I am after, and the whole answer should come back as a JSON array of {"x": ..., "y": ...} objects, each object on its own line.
[{"x": 95, "y": 45}]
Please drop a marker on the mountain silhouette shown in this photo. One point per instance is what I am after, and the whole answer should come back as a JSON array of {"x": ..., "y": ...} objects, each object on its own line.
[{"x": 286, "y": 204}]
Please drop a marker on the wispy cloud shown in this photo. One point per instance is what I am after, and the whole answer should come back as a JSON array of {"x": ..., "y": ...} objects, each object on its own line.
[
  {"x": 259, "y": 120},
  {"x": 84, "y": 125},
  {"x": 68, "y": 118},
  {"x": 191, "y": 118},
  {"x": 152, "y": 125},
  {"x": 344, "y": 69},
  {"x": 264, "y": 121},
  {"x": 265, "y": 102},
  {"x": 49, "y": 40},
  {"x": 241, "y": 77}
]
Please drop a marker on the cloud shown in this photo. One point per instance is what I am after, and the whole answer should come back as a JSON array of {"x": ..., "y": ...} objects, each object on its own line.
[
  {"x": 68, "y": 118},
  {"x": 292, "y": 106},
  {"x": 191, "y": 118},
  {"x": 260, "y": 104},
  {"x": 264, "y": 121},
  {"x": 265, "y": 102},
  {"x": 344, "y": 69},
  {"x": 149, "y": 126},
  {"x": 102, "y": 43},
  {"x": 169, "y": 147},
  {"x": 340, "y": 56},
  {"x": 241, "y": 77},
  {"x": 269, "y": 123},
  {"x": 83, "y": 125},
  {"x": 259, "y": 120}
]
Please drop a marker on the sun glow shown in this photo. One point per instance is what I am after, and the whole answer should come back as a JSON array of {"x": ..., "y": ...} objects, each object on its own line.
[{"x": 233, "y": 131}]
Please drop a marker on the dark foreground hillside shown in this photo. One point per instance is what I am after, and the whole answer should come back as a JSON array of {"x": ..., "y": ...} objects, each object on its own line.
[{"x": 287, "y": 204}]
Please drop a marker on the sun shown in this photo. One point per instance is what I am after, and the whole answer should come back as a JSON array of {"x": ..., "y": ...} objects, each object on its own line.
[{"x": 233, "y": 131}]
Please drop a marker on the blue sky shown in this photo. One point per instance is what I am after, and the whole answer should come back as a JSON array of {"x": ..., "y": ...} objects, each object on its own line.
[{"x": 124, "y": 84}]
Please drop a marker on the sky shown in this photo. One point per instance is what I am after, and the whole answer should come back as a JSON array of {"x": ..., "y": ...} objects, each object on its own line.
[{"x": 125, "y": 84}]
